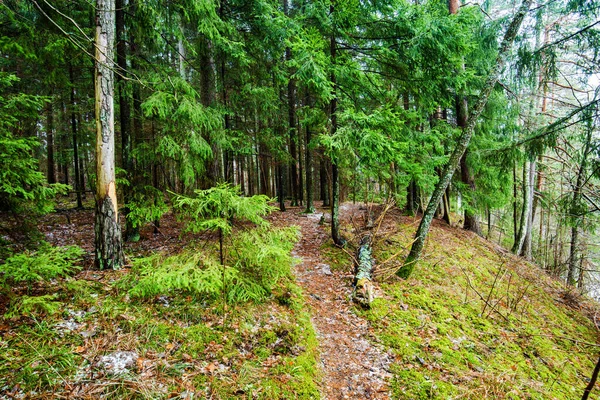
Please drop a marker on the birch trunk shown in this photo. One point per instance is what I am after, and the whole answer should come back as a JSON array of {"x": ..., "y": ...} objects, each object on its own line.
[{"x": 108, "y": 246}]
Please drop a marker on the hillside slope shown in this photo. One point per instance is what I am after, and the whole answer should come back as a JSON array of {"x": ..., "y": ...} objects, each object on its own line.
[{"x": 475, "y": 322}]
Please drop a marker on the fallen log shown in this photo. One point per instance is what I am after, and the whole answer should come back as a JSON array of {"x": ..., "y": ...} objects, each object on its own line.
[{"x": 364, "y": 292}]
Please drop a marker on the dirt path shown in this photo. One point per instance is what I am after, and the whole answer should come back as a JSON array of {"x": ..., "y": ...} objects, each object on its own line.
[{"x": 353, "y": 367}]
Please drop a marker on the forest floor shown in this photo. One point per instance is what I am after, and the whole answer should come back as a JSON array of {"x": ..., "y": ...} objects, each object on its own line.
[
  {"x": 243, "y": 358},
  {"x": 472, "y": 322}
]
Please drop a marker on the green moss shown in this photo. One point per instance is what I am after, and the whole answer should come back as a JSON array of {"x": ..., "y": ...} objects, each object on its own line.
[{"x": 449, "y": 343}]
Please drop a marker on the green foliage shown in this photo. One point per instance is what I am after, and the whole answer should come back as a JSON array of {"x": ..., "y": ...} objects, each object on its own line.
[
  {"x": 31, "y": 306},
  {"x": 263, "y": 255},
  {"x": 189, "y": 272},
  {"x": 185, "y": 123},
  {"x": 23, "y": 187},
  {"x": 217, "y": 207},
  {"x": 147, "y": 205},
  {"x": 259, "y": 261},
  {"x": 40, "y": 266}
]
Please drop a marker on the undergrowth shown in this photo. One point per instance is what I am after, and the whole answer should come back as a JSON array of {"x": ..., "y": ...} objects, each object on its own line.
[
  {"x": 166, "y": 310},
  {"x": 258, "y": 260}
]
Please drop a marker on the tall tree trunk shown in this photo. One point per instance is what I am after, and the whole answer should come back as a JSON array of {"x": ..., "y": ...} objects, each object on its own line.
[
  {"x": 50, "y": 142},
  {"x": 131, "y": 233},
  {"x": 335, "y": 179},
  {"x": 470, "y": 222},
  {"x": 324, "y": 181},
  {"x": 527, "y": 243},
  {"x": 214, "y": 167},
  {"x": 109, "y": 251},
  {"x": 291, "y": 98},
  {"x": 462, "y": 112},
  {"x": 576, "y": 211},
  {"x": 78, "y": 184},
  {"x": 310, "y": 208},
  {"x": 180, "y": 49},
  {"x": 446, "y": 202},
  {"x": 64, "y": 165},
  {"x": 281, "y": 186},
  {"x": 522, "y": 245},
  {"x": 412, "y": 198},
  {"x": 463, "y": 141}
]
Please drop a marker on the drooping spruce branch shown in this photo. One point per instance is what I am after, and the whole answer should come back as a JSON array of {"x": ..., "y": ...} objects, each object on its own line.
[{"x": 463, "y": 140}]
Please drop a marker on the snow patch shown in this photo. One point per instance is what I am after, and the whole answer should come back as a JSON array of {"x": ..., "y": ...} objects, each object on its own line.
[{"x": 118, "y": 362}]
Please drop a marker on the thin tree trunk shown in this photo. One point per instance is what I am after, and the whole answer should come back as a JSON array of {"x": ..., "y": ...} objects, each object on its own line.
[
  {"x": 462, "y": 112},
  {"x": 291, "y": 97},
  {"x": 515, "y": 208},
  {"x": 446, "y": 202},
  {"x": 310, "y": 208},
  {"x": 324, "y": 181},
  {"x": 124, "y": 117},
  {"x": 592, "y": 383},
  {"x": 78, "y": 186},
  {"x": 214, "y": 168},
  {"x": 281, "y": 186},
  {"x": 335, "y": 179},
  {"x": 50, "y": 142},
  {"x": 463, "y": 141},
  {"x": 525, "y": 211},
  {"x": 575, "y": 212},
  {"x": 526, "y": 248},
  {"x": 108, "y": 246}
]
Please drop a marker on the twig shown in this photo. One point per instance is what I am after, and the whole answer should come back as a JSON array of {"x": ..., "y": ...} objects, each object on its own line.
[{"x": 480, "y": 296}]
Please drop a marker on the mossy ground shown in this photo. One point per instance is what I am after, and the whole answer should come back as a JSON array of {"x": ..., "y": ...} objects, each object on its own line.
[
  {"x": 186, "y": 345},
  {"x": 474, "y": 322}
]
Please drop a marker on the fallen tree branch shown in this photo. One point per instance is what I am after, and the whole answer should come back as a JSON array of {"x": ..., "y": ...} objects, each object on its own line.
[{"x": 363, "y": 292}]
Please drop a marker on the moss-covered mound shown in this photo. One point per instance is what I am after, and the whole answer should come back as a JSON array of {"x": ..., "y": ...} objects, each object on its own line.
[{"x": 474, "y": 322}]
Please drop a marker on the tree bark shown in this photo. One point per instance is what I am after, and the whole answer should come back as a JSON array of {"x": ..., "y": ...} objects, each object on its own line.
[
  {"x": 462, "y": 112},
  {"x": 590, "y": 386},
  {"x": 412, "y": 198},
  {"x": 131, "y": 233},
  {"x": 214, "y": 167},
  {"x": 281, "y": 186},
  {"x": 108, "y": 246},
  {"x": 575, "y": 211},
  {"x": 291, "y": 97},
  {"x": 335, "y": 179},
  {"x": 527, "y": 243},
  {"x": 363, "y": 291},
  {"x": 310, "y": 208},
  {"x": 522, "y": 245},
  {"x": 50, "y": 142},
  {"x": 463, "y": 141},
  {"x": 78, "y": 181}
]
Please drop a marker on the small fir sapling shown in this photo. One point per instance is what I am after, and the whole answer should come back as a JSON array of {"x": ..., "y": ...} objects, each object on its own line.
[{"x": 217, "y": 208}]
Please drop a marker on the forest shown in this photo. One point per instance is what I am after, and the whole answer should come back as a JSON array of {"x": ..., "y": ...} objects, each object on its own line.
[{"x": 299, "y": 199}]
